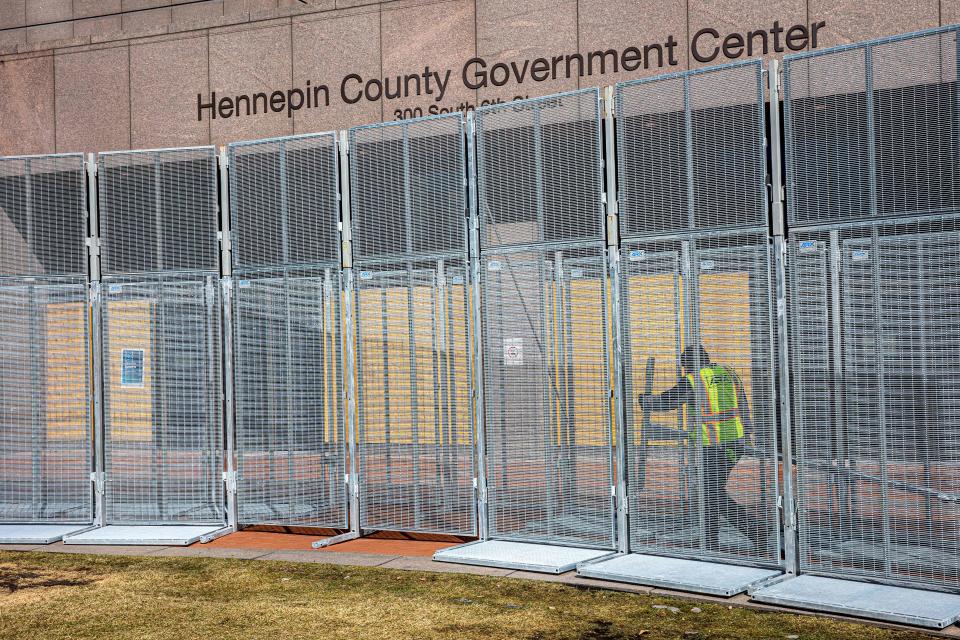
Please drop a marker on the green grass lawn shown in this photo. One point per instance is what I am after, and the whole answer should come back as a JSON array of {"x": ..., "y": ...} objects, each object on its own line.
[{"x": 47, "y": 595}]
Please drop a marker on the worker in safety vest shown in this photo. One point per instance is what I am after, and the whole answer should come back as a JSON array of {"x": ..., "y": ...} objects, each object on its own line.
[{"x": 725, "y": 417}]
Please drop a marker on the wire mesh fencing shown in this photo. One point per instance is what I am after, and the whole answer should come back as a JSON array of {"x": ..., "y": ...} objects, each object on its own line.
[
  {"x": 413, "y": 323},
  {"x": 546, "y": 371},
  {"x": 45, "y": 417},
  {"x": 291, "y": 444},
  {"x": 872, "y": 156},
  {"x": 871, "y": 130},
  {"x": 161, "y": 333},
  {"x": 697, "y": 336},
  {"x": 701, "y": 477},
  {"x": 547, "y": 396}
]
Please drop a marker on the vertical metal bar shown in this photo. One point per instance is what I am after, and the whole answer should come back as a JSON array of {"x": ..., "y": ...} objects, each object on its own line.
[
  {"x": 691, "y": 306},
  {"x": 688, "y": 133},
  {"x": 348, "y": 335},
  {"x": 871, "y": 131},
  {"x": 557, "y": 447},
  {"x": 442, "y": 396},
  {"x": 781, "y": 346},
  {"x": 925, "y": 382},
  {"x": 881, "y": 399},
  {"x": 227, "y": 303},
  {"x": 476, "y": 325},
  {"x": 211, "y": 467},
  {"x": 839, "y": 417},
  {"x": 692, "y": 331},
  {"x": 412, "y": 333},
  {"x": 616, "y": 354},
  {"x": 33, "y": 389},
  {"x": 96, "y": 343}
]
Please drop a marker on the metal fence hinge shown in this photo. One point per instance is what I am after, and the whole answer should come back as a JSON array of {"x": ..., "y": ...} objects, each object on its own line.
[
  {"x": 93, "y": 245},
  {"x": 230, "y": 481}
]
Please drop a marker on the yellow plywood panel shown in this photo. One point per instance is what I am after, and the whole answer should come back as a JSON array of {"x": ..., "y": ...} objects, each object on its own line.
[
  {"x": 725, "y": 322},
  {"x": 389, "y": 369},
  {"x": 131, "y": 407},
  {"x": 655, "y": 317},
  {"x": 66, "y": 371},
  {"x": 459, "y": 370},
  {"x": 589, "y": 382}
]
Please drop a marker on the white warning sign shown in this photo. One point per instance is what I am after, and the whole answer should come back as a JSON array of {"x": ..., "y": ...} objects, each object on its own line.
[{"x": 512, "y": 352}]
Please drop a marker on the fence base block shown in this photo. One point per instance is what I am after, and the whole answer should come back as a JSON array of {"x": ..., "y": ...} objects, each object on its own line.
[
  {"x": 918, "y": 607},
  {"x": 697, "y": 576},
  {"x": 522, "y": 556},
  {"x": 37, "y": 533},
  {"x": 160, "y": 535}
]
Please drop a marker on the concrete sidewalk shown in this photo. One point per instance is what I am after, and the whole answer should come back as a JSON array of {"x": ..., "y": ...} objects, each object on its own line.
[{"x": 407, "y": 555}]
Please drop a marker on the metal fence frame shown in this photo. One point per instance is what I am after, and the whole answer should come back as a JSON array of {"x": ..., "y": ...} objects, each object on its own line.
[
  {"x": 360, "y": 268},
  {"x": 689, "y": 235},
  {"x": 292, "y": 270},
  {"x": 871, "y": 221},
  {"x": 480, "y": 255},
  {"x": 218, "y": 480},
  {"x": 77, "y": 279}
]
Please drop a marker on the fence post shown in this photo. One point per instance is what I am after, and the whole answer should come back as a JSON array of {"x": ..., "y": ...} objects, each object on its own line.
[
  {"x": 348, "y": 345},
  {"x": 616, "y": 348},
  {"x": 226, "y": 284},
  {"x": 483, "y": 516},
  {"x": 96, "y": 341},
  {"x": 791, "y": 559}
]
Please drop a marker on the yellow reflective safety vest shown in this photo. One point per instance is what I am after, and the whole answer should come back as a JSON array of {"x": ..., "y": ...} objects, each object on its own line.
[{"x": 721, "y": 417}]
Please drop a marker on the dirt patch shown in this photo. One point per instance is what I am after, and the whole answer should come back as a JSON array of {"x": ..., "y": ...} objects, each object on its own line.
[{"x": 14, "y": 578}]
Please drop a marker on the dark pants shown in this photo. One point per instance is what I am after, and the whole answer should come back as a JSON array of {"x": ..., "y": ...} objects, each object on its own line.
[{"x": 717, "y": 466}]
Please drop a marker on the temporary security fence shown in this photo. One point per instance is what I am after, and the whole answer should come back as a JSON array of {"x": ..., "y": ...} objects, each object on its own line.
[
  {"x": 408, "y": 204},
  {"x": 290, "y": 439},
  {"x": 695, "y": 281},
  {"x": 590, "y": 373},
  {"x": 547, "y": 420},
  {"x": 163, "y": 432},
  {"x": 872, "y": 159},
  {"x": 46, "y": 423}
]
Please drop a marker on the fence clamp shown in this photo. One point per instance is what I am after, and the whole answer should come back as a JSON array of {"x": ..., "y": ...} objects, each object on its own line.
[
  {"x": 230, "y": 480},
  {"x": 93, "y": 246},
  {"x": 97, "y": 478}
]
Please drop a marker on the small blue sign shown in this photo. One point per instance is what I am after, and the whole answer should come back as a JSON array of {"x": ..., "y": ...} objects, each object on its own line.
[{"x": 131, "y": 368}]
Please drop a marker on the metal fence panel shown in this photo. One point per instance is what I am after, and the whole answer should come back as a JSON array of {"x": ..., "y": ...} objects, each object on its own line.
[
  {"x": 163, "y": 419},
  {"x": 407, "y": 189},
  {"x": 161, "y": 328},
  {"x": 284, "y": 207},
  {"x": 872, "y": 129},
  {"x": 44, "y": 225},
  {"x": 690, "y": 151},
  {"x": 689, "y": 496},
  {"x": 546, "y": 376},
  {"x": 548, "y": 421},
  {"x": 290, "y": 428},
  {"x": 871, "y": 132},
  {"x": 874, "y": 345},
  {"x": 158, "y": 211},
  {"x": 45, "y": 403},
  {"x": 539, "y": 171},
  {"x": 415, "y": 424},
  {"x": 45, "y": 431},
  {"x": 415, "y": 418},
  {"x": 284, "y": 201}
]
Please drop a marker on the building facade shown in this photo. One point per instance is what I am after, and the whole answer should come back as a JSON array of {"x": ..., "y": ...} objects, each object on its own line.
[{"x": 85, "y": 75}]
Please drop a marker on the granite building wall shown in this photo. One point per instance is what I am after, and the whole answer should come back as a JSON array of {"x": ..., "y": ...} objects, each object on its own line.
[{"x": 91, "y": 75}]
